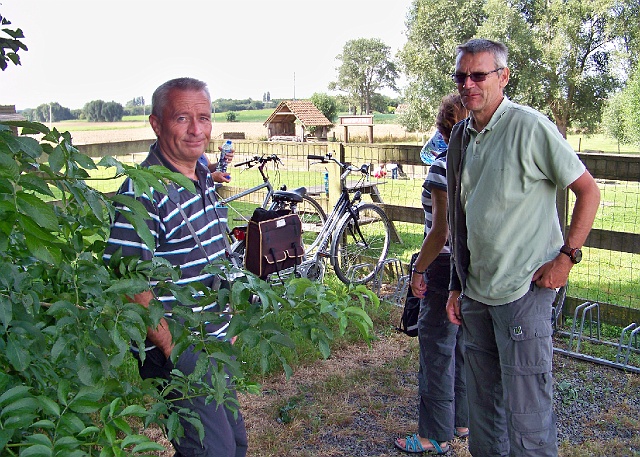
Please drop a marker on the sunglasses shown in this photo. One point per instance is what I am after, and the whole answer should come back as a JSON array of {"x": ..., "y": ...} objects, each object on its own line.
[{"x": 476, "y": 77}]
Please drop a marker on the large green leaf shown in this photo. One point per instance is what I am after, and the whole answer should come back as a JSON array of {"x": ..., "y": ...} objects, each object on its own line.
[
  {"x": 36, "y": 184},
  {"x": 42, "y": 213},
  {"x": 6, "y": 311},
  {"x": 56, "y": 159},
  {"x": 18, "y": 355},
  {"x": 9, "y": 168},
  {"x": 129, "y": 286},
  {"x": 47, "y": 253},
  {"x": 19, "y": 407},
  {"x": 36, "y": 450},
  {"x": 13, "y": 394}
]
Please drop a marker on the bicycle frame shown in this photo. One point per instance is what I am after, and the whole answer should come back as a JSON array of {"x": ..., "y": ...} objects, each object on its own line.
[
  {"x": 344, "y": 207},
  {"x": 266, "y": 184}
]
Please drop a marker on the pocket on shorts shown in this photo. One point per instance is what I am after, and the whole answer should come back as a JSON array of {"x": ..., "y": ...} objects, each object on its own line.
[
  {"x": 535, "y": 430},
  {"x": 530, "y": 328},
  {"x": 532, "y": 347}
]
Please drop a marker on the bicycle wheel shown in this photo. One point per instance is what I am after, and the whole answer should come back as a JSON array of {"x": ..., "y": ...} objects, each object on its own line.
[
  {"x": 360, "y": 246},
  {"x": 312, "y": 217}
]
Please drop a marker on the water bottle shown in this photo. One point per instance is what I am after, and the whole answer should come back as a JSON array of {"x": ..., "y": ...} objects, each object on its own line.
[
  {"x": 326, "y": 182},
  {"x": 222, "y": 163}
]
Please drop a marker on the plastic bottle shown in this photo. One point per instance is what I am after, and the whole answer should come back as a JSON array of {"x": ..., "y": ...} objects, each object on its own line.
[
  {"x": 222, "y": 163},
  {"x": 326, "y": 182}
]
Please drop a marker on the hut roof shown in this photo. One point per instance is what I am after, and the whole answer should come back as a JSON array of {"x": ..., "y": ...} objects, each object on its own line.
[
  {"x": 8, "y": 113},
  {"x": 303, "y": 110}
]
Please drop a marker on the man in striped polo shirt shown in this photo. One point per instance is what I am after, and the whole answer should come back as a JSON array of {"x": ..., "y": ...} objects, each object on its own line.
[{"x": 181, "y": 119}]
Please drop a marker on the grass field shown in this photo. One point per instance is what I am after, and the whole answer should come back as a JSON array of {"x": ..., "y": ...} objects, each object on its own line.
[
  {"x": 580, "y": 142},
  {"x": 606, "y": 277}
]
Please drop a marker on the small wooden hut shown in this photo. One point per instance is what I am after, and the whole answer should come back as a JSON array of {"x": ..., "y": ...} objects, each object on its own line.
[
  {"x": 281, "y": 125},
  {"x": 8, "y": 113}
]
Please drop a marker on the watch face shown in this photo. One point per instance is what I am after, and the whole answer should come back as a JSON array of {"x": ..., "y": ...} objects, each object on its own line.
[{"x": 577, "y": 255}]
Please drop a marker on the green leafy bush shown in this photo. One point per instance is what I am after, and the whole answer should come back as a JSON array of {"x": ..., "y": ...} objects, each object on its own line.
[{"x": 66, "y": 323}]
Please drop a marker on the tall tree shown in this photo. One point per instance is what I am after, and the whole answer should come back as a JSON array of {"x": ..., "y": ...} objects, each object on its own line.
[
  {"x": 434, "y": 28},
  {"x": 366, "y": 66},
  {"x": 626, "y": 27},
  {"x": 620, "y": 118},
  {"x": 560, "y": 53}
]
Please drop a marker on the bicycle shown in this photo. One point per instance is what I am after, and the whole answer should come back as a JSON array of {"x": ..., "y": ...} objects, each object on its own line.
[
  {"x": 355, "y": 236},
  {"x": 297, "y": 201}
]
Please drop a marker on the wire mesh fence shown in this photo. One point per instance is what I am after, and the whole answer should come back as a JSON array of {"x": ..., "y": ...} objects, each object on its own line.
[{"x": 608, "y": 273}]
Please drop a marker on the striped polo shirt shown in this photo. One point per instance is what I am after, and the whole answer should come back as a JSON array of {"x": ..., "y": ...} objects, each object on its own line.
[
  {"x": 173, "y": 239},
  {"x": 436, "y": 179}
]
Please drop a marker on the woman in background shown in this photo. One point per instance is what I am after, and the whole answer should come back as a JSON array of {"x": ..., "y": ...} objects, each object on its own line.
[{"x": 443, "y": 411}]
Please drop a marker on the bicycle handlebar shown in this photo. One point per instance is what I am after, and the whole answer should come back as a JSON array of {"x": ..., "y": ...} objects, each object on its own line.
[
  {"x": 364, "y": 169},
  {"x": 248, "y": 162},
  {"x": 257, "y": 159}
]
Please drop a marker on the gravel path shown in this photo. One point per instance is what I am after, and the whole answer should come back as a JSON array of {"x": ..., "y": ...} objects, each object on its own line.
[{"x": 593, "y": 403}]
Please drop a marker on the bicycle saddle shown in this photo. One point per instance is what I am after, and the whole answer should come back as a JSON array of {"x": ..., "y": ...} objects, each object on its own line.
[{"x": 294, "y": 195}]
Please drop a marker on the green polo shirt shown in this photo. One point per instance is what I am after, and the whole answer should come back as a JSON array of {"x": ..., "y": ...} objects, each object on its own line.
[{"x": 510, "y": 174}]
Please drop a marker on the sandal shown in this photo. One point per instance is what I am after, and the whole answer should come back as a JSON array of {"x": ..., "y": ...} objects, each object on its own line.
[
  {"x": 412, "y": 445},
  {"x": 460, "y": 434}
]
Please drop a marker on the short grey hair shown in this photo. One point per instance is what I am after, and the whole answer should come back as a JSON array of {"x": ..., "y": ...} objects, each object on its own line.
[
  {"x": 477, "y": 45},
  {"x": 161, "y": 94}
]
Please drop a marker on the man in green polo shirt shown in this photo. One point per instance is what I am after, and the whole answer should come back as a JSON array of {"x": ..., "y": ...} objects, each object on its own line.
[{"x": 504, "y": 166}]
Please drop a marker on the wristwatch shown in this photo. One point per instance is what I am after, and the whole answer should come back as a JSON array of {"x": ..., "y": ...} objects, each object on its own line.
[
  {"x": 415, "y": 270},
  {"x": 574, "y": 254}
]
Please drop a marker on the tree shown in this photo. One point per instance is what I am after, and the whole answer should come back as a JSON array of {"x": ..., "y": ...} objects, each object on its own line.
[
  {"x": 10, "y": 46},
  {"x": 136, "y": 101},
  {"x": 620, "y": 116},
  {"x": 366, "y": 67},
  {"x": 560, "y": 53},
  {"x": 632, "y": 92},
  {"x": 93, "y": 111},
  {"x": 434, "y": 29},
  {"x": 55, "y": 110},
  {"x": 112, "y": 111},
  {"x": 100, "y": 111},
  {"x": 614, "y": 119},
  {"x": 327, "y": 105},
  {"x": 627, "y": 30},
  {"x": 575, "y": 73}
]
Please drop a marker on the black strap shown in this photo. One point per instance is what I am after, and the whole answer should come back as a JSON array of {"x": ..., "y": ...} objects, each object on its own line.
[
  {"x": 295, "y": 262},
  {"x": 174, "y": 196}
]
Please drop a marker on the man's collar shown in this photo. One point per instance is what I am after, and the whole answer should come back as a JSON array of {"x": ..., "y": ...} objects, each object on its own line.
[
  {"x": 502, "y": 108},
  {"x": 157, "y": 158}
]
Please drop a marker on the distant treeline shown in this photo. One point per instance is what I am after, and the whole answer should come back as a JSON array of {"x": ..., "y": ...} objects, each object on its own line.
[{"x": 101, "y": 111}]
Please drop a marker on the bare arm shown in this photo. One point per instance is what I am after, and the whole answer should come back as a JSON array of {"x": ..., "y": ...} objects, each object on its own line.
[
  {"x": 433, "y": 242},
  {"x": 555, "y": 273},
  {"x": 159, "y": 336}
]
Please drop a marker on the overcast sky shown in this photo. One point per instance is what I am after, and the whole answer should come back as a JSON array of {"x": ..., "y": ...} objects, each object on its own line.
[{"x": 115, "y": 50}]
